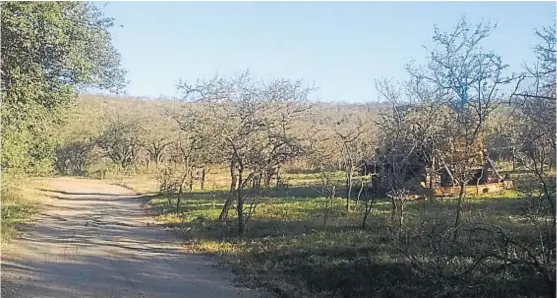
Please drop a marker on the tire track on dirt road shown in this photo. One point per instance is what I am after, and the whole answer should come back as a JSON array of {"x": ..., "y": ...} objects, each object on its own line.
[{"x": 94, "y": 241}]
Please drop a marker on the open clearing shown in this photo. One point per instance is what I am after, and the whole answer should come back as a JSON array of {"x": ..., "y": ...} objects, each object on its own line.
[{"x": 95, "y": 240}]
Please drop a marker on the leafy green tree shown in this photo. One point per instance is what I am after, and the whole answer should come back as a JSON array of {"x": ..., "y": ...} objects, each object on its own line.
[
  {"x": 121, "y": 143},
  {"x": 157, "y": 135},
  {"x": 253, "y": 122},
  {"x": 49, "y": 52},
  {"x": 72, "y": 158}
]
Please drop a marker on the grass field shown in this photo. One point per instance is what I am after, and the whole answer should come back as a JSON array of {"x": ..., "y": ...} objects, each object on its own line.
[{"x": 300, "y": 244}]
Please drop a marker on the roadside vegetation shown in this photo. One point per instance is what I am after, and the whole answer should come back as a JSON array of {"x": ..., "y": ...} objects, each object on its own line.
[
  {"x": 257, "y": 172},
  {"x": 19, "y": 202},
  {"x": 302, "y": 243},
  {"x": 15, "y": 209},
  {"x": 50, "y": 51}
]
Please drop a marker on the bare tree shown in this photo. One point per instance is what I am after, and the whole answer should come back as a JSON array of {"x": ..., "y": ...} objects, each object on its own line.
[
  {"x": 534, "y": 116},
  {"x": 195, "y": 146},
  {"x": 157, "y": 134},
  {"x": 156, "y": 148},
  {"x": 369, "y": 199},
  {"x": 323, "y": 159},
  {"x": 253, "y": 120},
  {"x": 409, "y": 134},
  {"x": 541, "y": 75},
  {"x": 467, "y": 81},
  {"x": 402, "y": 163},
  {"x": 348, "y": 132}
]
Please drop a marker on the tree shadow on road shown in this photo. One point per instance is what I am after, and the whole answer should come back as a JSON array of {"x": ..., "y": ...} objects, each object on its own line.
[{"x": 86, "y": 245}]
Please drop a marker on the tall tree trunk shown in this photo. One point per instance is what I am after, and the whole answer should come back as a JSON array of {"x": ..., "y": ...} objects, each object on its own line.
[
  {"x": 179, "y": 200},
  {"x": 156, "y": 159},
  {"x": 191, "y": 181},
  {"x": 224, "y": 213},
  {"x": 393, "y": 208},
  {"x": 479, "y": 181},
  {"x": 330, "y": 197},
  {"x": 432, "y": 173},
  {"x": 202, "y": 179},
  {"x": 461, "y": 196},
  {"x": 360, "y": 193},
  {"x": 268, "y": 176},
  {"x": 277, "y": 173},
  {"x": 513, "y": 158},
  {"x": 256, "y": 182},
  {"x": 240, "y": 206},
  {"x": 348, "y": 187},
  {"x": 368, "y": 206},
  {"x": 227, "y": 205},
  {"x": 401, "y": 212}
]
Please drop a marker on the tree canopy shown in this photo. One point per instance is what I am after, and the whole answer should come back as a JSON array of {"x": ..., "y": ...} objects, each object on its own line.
[{"x": 50, "y": 51}]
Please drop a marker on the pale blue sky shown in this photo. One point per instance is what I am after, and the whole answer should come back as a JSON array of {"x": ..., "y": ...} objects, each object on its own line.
[{"x": 340, "y": 47}]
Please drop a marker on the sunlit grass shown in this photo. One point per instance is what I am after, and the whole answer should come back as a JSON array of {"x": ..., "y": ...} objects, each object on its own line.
[
  {"x": 19, "y": 202},
  {"x": 301, "y": 244}
]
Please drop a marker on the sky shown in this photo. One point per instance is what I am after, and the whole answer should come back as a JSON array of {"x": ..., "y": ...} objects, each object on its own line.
[{"x": 339, "y": 47}]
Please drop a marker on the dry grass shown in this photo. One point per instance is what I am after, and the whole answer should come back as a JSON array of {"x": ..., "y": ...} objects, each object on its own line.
[
  {"x": 19, "y": 202},
  {"x": 292, "y": 250},
  {"x": 300, "y": 244},
  {"x": 142, "y": 184}
]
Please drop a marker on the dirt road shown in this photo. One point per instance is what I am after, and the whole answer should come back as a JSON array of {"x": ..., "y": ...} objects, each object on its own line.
[{"x": 93, "y": 241}]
